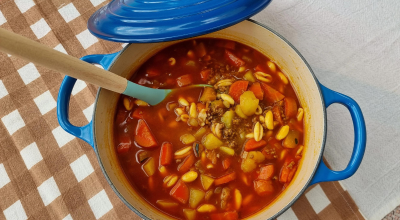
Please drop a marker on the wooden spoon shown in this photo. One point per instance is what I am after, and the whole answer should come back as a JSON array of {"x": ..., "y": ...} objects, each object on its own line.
[{"x": 37, "y": 53}]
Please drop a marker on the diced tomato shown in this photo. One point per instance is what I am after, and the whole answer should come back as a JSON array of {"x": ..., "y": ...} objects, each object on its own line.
[
  {"x": 233, "y": 59},
  {"x": 256, "y": 89},
  {"x": 263, "y": 187},
  {"x": 186, "y": 164},
  {"x": 276, "y": 111},
  {"x": 137, "y": 113},
  {"x": 290, "y": 107},
  {"x": 295, "y": 125},
  {"x": 204, "y": 74},
  {"x": 201, "y": 50},
  {"x": 266, "y": 172},
  {"x": 124, "y": 144},
  {"x": 269, "y": 152},
  {"x": 226, "y": 163},
  {"x": 200, "y": 106},
  {"x": 152, "y": 72},
  {"x": 170, "y": 82},
  {"x": 180, "y": 192},
  {"x": 143, "y": 135},
  {"x": 184, "y": 80},
  {"x": 230, "y": 215},
  {"x": 270, "y": 94},
  {"x": 252, "y": 144},
  {"x": 285, "y": 171},
  {"x": 166, "y": 154},
  {"x": 237, "y": 89},
  {"x": 225, "y": 179},
  {"x": 261, "y": 68}
]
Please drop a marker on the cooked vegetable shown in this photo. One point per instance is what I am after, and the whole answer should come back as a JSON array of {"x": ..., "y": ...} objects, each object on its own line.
[
  {"x": 233, "y": 59},
  {"x": 138, "y": 113},
  {"x": 196, "y": 196},
  {"x": 184, "y": 80},
  {"x": 269, "y": 120},
  {"x": 211, "y": 142},
  {"x": 143, "y": 155},
  {"x": 300, "y": 113},
  {"x": 238, "y": 199},
  {"x": 283, "y": 78},
  {"x": 254, "y": 145},
  {"x": 166, "y": 154},
  {"x": 225, "y": 179},
  {"x": 226, "y": 163},
  {"x": 239, "y": 112},
  {"x": 248, "y": 165},
  {"x": 290, "y": 107},
  {"x": 257, "y": 156},
  {"x": 128, "y": 103},
  {"x": 187, "y": 139},
  {"x": 270, "y": 94},
  {"x": 180, "y": 192},
  {"x": 237, "y": 89},
  {"x": 227, "y": 118},
  {"x": 226, "y": 150},
  {"x": 206, "y": 181},
  {"x": 292, "y": 139},
  {"x": 256, "y": 89},
  {"x": 209, "y": 94},
  {"x": 190, "y": 214},
  {"x": 249, "y": 76},
  {"x": 149, "y": 167},
  {"x": 206, "y": 208},
  {"x": 167, "y": 204},
  {"x": 204, "y": 74},
  {"x": 143, "y": 135},
  {"x": 201, "y": 50},
  {"x": 263, "y": 187},
  {"x": 266, "y": 172},
  {"x": 217, "y": 104},
  {"x": 248, "y": 103},
  {"x": 199, "y": 133},
  {"x": 186, "y": 164},
  {"x": 276, "y": 111}
]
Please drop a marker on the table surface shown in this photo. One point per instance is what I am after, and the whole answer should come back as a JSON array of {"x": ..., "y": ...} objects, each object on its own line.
[{"x": 352, "y": 46}]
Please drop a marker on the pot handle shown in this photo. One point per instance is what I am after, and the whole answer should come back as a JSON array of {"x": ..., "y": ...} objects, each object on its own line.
[
  {"x": 323, "y": 173},
  {"x": 85, "y": 132}
]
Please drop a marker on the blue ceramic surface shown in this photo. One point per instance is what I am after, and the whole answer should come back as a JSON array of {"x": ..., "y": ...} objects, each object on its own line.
[
  {"x": 322, "y": 174},
  {"x": 147, "y": 21}
]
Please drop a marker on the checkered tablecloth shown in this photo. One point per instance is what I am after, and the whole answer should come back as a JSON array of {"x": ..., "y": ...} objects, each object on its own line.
[{"x": 45, "y": 173}]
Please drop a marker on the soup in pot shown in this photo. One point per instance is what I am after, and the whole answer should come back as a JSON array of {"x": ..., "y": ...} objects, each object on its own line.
[{"x": 224, "y": 150}]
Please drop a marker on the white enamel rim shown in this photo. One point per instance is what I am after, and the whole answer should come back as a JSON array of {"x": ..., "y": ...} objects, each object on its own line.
[{"x": 285, "y": 203}]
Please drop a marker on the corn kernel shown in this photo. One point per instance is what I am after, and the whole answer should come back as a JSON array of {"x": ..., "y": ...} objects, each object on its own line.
[
  {"x": 283, "y": 78},
  {"x": 189, "y": 176},
  {"x": 282, "y": 133},
  {"x": 206, "y": 208},
  {"x": 269, "y": 120},
  {"x": 271, "y": 66},
  {"x": 300, "y": 113},
  {"x": 128, "y": 104},
  {"x": 171, "y": 61}
]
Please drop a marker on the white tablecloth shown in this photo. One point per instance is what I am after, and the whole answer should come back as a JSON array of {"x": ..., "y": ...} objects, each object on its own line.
[{"x": 353, "y": 46}]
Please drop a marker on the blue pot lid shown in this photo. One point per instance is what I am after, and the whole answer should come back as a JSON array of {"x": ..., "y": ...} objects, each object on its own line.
[{"x": 148, "y": 21}]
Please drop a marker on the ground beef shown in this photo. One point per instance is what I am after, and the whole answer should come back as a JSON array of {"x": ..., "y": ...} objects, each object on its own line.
[
  {"x": 228, "y": 133},
  {"x": 232, "y": 144},
  {"x": 236, "y": 121}
]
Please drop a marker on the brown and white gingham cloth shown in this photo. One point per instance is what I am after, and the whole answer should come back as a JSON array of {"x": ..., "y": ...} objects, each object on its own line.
[{"x": 46, "y": 173}]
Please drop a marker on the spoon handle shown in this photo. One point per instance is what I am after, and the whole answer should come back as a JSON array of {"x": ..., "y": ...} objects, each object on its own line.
[{"x": 40, "y": 54}]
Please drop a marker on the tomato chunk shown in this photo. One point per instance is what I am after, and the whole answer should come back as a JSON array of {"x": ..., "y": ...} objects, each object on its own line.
[
  {"x": 124, "y": 144},
  {"x": 204, "y": 74},
  {"x": 180, "y": 192},
  {"x": 166, "y": 154},
  {"x": 252, "y": 144},
  {"x": 226, "y": 163},
  {"x": 187, "y": 163},
  {"x": 143, "y": 136},
  {"x": 261, "y": 68},
  {"x": 231, "y": 215},
  {"x": 256, "y": 89},
  {"x": 225, "y": 179},
  {"x": 263, "y": 187},
  {"x": 233, "y": 59},
  {"x": 290, "y": 107},
  {"x": 237, "y": 89},
  {"x": 184, "y": 80},
  {"x": 271, "y": 94},
  {"x": 266, "y": 172}
]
